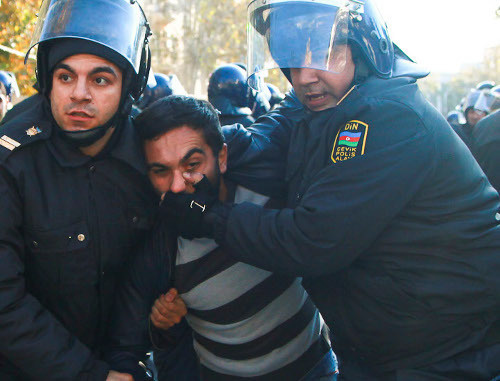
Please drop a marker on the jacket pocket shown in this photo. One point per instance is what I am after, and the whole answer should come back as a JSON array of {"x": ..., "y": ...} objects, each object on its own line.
[{"x": 60, "y": 257}]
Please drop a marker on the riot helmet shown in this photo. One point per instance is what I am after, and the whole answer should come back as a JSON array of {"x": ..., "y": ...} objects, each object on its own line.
[
  {"x": 485, "y": 85},
  {"x": 276, "y": 95},
  {"x": 228, "y": 91},
  {"x": 315, "y": 34},
  {"x": 455, "y": 118},
  {"x": 164, "y": 85},
  {"x": 488, "y": 100},
  {"x": 9, "y": 82},
  {"x": 116, "y": 30},
  {"x": 473, "y": 115}
]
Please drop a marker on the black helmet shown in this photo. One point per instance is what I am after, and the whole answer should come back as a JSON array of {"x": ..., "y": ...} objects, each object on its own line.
[
  {"x": 488, "y": 100},
  {"x": 164, "y": 85},
  {"x": 8, "y": 79},
  {"x": 276, "y": 95},
  {"x": 455, "y": 118},
  {"x": 315, "y": 33},
  {"x": 115, "y": 29},
  {"x": 470, "y": 100},
  {"x": 228, "y": 91},
  {"x": 485, "y": 85}
]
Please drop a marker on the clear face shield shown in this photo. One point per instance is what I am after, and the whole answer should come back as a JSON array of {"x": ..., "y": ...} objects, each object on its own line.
[
  {"x": 298, "y": 34},
  {"x": 118, "y": 24},
  {"x": 487, "y": 102}
]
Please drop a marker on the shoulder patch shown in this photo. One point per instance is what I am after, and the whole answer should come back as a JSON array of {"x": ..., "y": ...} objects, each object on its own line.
[
  {"x": 18, "y": 138},
  {"x": 350, "y": 141}
]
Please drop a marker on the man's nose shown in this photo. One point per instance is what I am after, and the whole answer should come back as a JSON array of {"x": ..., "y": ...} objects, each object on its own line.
[
  {"x": 305, "y": 76},
  {"x": 178, "y": 183},
  {"x": 81, "y": 91}
]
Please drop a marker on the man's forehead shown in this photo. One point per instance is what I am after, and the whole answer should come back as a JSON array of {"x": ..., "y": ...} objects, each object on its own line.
[
  {"x": 180, "y": 142},
  {"x": 90, "y": 60}
]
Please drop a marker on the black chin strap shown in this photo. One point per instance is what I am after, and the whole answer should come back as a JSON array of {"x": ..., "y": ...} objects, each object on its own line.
[{"x": 86, "y": 138}]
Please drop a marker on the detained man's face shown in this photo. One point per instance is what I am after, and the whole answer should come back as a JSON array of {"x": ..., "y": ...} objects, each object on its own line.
[
  {"x": 86, "y": 92},
  {"x": 181, "y": 150},
  {"x": 319, "y": 89}
]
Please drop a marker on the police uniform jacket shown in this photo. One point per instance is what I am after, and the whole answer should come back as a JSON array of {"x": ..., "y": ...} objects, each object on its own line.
[
  {"x": 68, "y": 223},
  {"x": 245, "y": 120},
  {"x": 389, "y": 218}
]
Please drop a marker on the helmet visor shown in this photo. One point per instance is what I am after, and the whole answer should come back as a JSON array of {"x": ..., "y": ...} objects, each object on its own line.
[
  {"x": 296, "y": 34},
  {"x": 117, "y": 24},
  {"x": 486, "y": 102}
]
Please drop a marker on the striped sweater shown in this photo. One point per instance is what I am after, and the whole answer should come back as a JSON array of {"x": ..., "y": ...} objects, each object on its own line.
[{"x": 248, "y": 323}]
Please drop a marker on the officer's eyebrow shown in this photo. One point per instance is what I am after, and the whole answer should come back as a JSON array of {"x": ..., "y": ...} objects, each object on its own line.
[
  {"x": 190, "y": 153},
  {"x": 65, "y": 67},
  {"x": 96, "y": 70},
  {"x": 104, "y": 69}
]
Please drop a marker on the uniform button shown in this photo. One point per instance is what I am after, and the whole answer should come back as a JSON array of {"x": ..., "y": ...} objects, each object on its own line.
[
  {"x": 35, "y": 243},
  {"x": 81, "y": 237},
  {"x": 135, "y": 219},
  {"x": 102, "y": 273},
  {"x": 298, "y": 196},
  {"x": 92, "y": 169},
  {"x": 497, "y": 216}
]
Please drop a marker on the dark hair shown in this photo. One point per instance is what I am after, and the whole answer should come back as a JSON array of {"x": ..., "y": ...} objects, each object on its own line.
[{"x": 174, "y": 111}]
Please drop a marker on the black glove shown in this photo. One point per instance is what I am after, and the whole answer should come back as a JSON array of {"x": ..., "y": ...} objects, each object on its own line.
[{"x": 187, "y": 210}]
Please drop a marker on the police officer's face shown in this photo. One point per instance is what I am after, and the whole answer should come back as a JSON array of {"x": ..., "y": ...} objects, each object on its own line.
[
  {"x": 319, "y": 89},
  {"x": 178, "y": 151},
  {"x": 86, "y": 91},
  {"x": 473, "y": 116}
]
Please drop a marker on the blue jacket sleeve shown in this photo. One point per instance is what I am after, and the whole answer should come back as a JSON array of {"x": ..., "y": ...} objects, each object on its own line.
[
  {"x": 257, "y": 154},
  {"x": 345, "y": 207}
]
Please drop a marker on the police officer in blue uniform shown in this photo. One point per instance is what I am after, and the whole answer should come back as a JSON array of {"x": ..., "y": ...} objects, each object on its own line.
[
  {"x": 389, "y": 219},
  {"x": 472, "y": 116},
  {"x": 75, "y": 198},
  {"x": 229, "y": 93},
  {"x": 486, "y": 136}
]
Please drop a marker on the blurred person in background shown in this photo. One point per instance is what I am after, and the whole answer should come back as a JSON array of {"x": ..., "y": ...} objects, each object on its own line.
[
  {"x": 229, "y": 93},
  {"x": 486, "y": 136}
]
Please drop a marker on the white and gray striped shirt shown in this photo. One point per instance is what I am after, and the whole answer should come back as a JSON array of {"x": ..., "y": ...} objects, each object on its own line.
[{"x": 247, "y": 322}]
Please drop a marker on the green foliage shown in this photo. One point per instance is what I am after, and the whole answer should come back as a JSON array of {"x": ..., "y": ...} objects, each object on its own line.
[
  {"x": 17, "y": 21},
  {"x": 198, "y": 36}
]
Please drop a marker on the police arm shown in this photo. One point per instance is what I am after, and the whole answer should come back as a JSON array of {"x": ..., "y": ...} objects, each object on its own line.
[
  {"x": 346, "y": 207},
  {"x": 30, "y": 336},
  {"x": 257, "y": 155}
]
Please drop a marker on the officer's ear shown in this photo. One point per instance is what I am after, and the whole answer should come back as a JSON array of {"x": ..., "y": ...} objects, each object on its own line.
[{"x": 222, "y": 159}]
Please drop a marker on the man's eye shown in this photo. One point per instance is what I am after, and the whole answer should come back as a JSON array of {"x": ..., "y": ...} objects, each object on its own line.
[
  {"x": 65, "y": 77},
  {"x": 101, "y": 81},
  {"x": 194, "y": 165}
]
